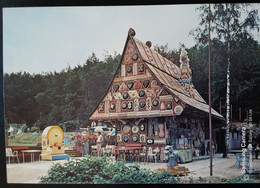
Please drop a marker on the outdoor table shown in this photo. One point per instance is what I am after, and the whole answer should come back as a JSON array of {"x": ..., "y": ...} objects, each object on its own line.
[{"x": 32, "y": 153}]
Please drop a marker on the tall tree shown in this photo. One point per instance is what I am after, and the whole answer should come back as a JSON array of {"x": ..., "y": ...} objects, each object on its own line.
[{"x": 230, "y": 22}]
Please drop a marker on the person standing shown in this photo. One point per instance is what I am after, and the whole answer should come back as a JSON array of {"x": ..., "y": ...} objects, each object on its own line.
[{"x": 99, "y": 143}]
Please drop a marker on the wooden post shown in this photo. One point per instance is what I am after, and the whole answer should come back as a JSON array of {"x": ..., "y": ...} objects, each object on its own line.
[{"x": 210, "y": 122}]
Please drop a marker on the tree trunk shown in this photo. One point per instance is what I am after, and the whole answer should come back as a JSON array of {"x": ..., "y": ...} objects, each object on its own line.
[{"x": 228, "y": 90}]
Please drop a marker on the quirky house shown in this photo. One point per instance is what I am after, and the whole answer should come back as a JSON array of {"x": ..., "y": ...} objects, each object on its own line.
[{"x": 153, "y": 102}]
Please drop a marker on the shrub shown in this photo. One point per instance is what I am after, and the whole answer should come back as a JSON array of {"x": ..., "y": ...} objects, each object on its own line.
[{"x": 96, "y": 170}]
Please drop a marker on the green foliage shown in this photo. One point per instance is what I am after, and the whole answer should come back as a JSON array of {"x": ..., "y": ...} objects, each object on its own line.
[
  {"x": 33, "y": 129},
  {"x": 58, "y": 98},
  {"x": 94, "y": 170}
]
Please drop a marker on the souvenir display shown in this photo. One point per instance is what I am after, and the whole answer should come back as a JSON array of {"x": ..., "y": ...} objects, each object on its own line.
[
  {"x": 126, "y": 129},
  {"x": 135, "y": 138},
  {"x": 147, "y": 98},
  {"x": 135, "y": 129}
]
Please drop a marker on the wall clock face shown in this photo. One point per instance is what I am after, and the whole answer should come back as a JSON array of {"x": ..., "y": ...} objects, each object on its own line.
[
  {"x": 126, "y": 129},
  {"x": 135, "y": 129}
]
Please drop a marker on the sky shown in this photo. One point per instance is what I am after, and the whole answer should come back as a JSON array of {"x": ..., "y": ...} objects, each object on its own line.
[{"x": 48, "y": 39}]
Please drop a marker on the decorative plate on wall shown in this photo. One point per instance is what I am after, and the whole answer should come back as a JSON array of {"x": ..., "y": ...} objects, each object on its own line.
[
  {"x": 129, "y": 69},
  {"x": 130, "y": 85},
  {"x": 119, "y": 137},
  {"x": 142, "y": 138},
  {"x": 142, "y": 104},
  {"x": 135, "y": 138},
  {"x": 118, "y": 127},
  {"x": 150, "y": 141},
  {"x": 146, "y": 83},
  {"x": 135, "y": 129},
  {"x": 124, "y": 105},
  {"x": 142, "y": 127},
  {"x": 125, "y": 95},
  {"x": 168, "y": 105},
  {"x": 126, "y": 138},
  {"x": 112, "y": 106},
  {"x": 141, "y": 93},
  {"x": 126, "y": 129},
  {"x": 155, "y": 103},
  {"x": 135, "y": 57}
]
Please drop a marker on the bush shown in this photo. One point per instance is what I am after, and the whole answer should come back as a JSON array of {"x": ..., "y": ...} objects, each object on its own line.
[
  {"x": 96, "y": 170},
  {"x": 33, "y": 129}
]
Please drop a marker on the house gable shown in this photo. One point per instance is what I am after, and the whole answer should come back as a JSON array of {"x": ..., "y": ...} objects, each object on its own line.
[{"x": 135, "y": 91}]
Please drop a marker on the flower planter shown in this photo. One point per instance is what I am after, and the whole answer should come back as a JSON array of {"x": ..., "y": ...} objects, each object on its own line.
[{"x": 78, "y": 148}]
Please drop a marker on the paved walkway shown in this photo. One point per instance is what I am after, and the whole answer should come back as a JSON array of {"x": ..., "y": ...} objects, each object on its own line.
[{"x": 222, "y": 168}]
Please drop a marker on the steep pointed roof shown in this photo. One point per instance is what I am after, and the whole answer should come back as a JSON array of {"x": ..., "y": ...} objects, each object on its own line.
[{"x": 167, "y": 74}]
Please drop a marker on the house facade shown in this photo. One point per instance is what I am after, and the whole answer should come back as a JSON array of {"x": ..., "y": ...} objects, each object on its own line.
[{"x": 153, "y": 102}]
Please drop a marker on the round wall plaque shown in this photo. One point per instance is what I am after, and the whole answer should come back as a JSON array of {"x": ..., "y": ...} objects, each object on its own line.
[
  {"x": 142, "y": 104},
  {"x": 135, "y": 57},
  {"x": 126, "y": 129},
  {"x": 135, "y": 138},
  {"x": 135, "y": 129},
  {"x": 126, "y": 138},
  {"x": 141, "y": 93}
]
